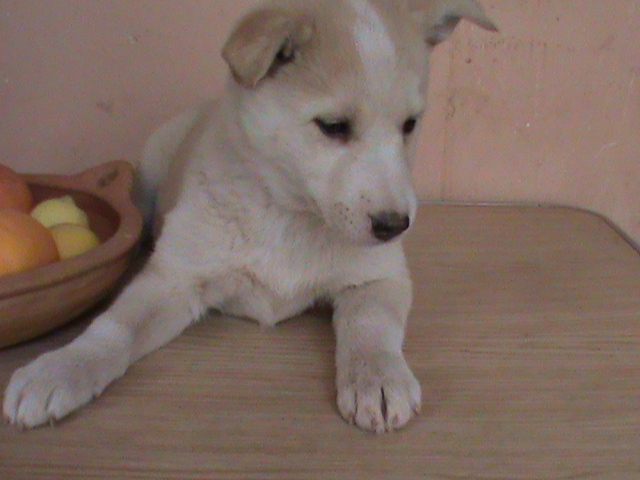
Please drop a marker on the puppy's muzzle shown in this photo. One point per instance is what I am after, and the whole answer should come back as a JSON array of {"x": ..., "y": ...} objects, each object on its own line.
[{"x": 386, "y": 226}]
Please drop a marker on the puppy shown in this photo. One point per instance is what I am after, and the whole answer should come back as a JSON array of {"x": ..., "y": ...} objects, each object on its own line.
[{"x": 293, "y": 188}]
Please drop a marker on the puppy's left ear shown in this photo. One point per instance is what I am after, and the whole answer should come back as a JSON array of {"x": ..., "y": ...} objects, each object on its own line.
[
  {"x": 264, "y": 41},
  {"x": 440, "y": 17}
]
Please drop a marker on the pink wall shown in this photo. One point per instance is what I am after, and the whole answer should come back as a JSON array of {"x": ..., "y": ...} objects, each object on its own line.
[{"x": 546, "y": 111}]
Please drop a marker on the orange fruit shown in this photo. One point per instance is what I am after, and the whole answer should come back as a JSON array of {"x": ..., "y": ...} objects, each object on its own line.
[
  {"x": 14, "y": 191},
  {"x": 24, "y": 243}
]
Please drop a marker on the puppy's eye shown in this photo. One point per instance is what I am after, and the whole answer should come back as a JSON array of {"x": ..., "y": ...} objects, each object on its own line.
[
  {"x": 409, "y": 126},
  {"x": 335, "y": 129}
]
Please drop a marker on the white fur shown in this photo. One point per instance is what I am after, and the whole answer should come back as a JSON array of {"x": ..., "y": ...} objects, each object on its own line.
[
  {"x": 375, "y": 48},
  {"x": 261, "y": 215}
]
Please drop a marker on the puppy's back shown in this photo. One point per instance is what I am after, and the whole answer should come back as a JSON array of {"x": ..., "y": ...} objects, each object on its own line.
[{"x": 160, "y": 151}]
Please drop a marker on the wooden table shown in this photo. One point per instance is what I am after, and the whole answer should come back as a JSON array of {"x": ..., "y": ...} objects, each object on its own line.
[{"x": 525, "y": 335}]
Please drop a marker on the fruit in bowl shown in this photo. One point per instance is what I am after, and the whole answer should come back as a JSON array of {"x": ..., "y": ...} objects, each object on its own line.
[
  {"x": 72, "y": 239},
  {"x": 55, "y": 211},
  {"x": 14, "y": 191},
  {"x": 24, "y": 243},
  {"x": 43, "y": 298},
  {"x": 56, "y": 228}
]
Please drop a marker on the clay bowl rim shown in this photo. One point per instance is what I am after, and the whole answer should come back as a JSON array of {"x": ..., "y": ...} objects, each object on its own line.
[{"x": 111, "y": 182}]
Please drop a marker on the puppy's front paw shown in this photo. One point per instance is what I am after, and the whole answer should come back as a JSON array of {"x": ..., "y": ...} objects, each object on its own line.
[
  {"x": 377, "y": 391},
  {"x": 51, "y": 387}
]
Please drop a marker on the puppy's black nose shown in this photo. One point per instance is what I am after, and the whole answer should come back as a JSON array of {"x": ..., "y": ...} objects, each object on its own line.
[{"x": 388, "y": 225}]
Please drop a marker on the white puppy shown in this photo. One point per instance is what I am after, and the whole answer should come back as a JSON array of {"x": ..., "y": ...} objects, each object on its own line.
[{"x": 290, "y": 189}]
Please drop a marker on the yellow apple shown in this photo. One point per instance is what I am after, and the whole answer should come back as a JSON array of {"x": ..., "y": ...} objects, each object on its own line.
[
  {"x": 59, "y": 210},
  {"x": 73, "y": 240}
]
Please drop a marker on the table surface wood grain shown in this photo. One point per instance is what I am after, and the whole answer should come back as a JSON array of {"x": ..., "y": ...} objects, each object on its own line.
[{"x": 525, "y": 335}]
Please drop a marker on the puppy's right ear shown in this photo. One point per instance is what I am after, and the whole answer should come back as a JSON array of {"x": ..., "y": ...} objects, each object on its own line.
[
  {"x": 439, "y": 18},
  {"x": 264, "y": 41}
]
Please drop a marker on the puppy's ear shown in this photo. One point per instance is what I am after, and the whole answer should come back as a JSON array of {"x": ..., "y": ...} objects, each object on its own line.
[
  {"x": 440, "y": 17},
  {"x": 264, "y": 41}
]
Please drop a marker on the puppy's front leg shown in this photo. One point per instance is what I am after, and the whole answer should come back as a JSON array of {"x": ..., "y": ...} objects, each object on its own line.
[
  {"x": 376, "y": 389},
  {"x": 152, "y": 310}
]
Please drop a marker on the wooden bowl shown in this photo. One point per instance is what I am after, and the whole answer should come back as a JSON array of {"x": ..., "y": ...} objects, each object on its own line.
[{"x": 39, "y": 300}]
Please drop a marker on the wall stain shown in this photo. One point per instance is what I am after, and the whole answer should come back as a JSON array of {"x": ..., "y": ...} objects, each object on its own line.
[{"x": 106, "y": 106}]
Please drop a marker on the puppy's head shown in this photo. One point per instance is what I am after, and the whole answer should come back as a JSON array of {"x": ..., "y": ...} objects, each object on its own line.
[{"x": 329, "y": 95}]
